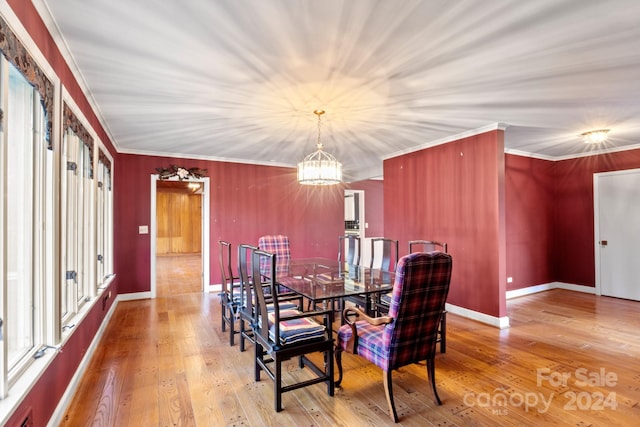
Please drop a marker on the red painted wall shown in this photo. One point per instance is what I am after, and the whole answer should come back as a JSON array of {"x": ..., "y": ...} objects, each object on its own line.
[
  {"x": 246, "y": 202},
  {"x": 573, "y": 247},
  {"x": 530, "y": 207},
  {"x": 455, "y": 193},
  {"x": 373, "y": 205}
]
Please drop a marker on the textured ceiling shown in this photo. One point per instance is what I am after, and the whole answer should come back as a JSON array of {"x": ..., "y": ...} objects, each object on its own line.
[{"x": 238, "y": 80}]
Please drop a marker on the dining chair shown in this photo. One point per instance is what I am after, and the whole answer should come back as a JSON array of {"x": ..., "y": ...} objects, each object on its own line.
[
  {"x": 246, "y": 309},
  {"x": 230, "y": 293},
  {"x": 384, "y": 255},
  {"x": 382, "y": 306},
  {"x": 428, "y": 246},
  {"x": 408, "y": 333},
  {"x": 278, "y": 245},
  {"x": 281, "y": 334},
  {"x": 349, "y": 250}
]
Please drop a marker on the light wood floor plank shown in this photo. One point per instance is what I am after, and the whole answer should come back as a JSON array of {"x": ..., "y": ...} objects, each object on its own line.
[{"x": 167, "y": 362}]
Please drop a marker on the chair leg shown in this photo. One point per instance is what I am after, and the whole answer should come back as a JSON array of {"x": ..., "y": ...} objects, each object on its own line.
[
  {"x": 277, "y": 383},
  {"x": 331, "y": 386},
  {"x": 338, "y": 356},
  {"x": 443, "y": 332},
  {"x": 232, "y": 321},
  {"x": 431, "y": 373},
  {"x": 223, "y": 309},
  {"x": 386, "y": 377},
  {"x": 259, "y": 354},
  {"x": 242, "y": 333}
]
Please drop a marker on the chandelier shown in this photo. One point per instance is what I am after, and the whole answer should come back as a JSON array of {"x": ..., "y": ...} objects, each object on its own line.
[
  {"x": 319, "y": 167},
  {"x": 595, "y": 136}
]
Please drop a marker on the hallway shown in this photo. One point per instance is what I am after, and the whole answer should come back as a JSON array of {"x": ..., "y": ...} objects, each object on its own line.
[{"x": 178, "y": 274}]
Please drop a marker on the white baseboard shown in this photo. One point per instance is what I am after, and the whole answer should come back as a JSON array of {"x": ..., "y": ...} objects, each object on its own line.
[
  {"x": 147, "y": 295},
  {"x": 577, "y": 288},
  {"x": 498, "y": 322},
  {"x": 547, "y": 286},
  {"x": 134, "y": 296}
]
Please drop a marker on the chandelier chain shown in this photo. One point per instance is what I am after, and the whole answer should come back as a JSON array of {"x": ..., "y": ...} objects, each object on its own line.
[{"x": 319, "y": 144}]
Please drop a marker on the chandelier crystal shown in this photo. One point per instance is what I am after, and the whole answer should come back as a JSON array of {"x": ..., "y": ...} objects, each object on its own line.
[{"x": 319, "y": 167}]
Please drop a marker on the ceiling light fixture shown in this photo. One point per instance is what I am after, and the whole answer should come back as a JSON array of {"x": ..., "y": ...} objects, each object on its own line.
[
  {"x": 595, "y": 136},
  {"x": 319, "y": 167}
]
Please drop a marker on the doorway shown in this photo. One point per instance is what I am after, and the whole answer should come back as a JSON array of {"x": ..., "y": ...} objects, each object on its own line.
[
  {"x": 179, "y": 236},
  {"x": 617, "y": 233}
]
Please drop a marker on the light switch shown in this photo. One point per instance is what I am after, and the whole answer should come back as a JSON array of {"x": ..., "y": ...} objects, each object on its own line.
[{"x": 143, "y": 229}]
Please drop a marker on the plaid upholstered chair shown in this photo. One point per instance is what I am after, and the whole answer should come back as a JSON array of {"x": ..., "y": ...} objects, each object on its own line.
[
  {"x": 278, "y": 245},
  {"x": 408, "y": 333},
  {"x": 382, "y": 306},
  {"x": 281, "y": 334},
  {"x": 428, "y": 246}
]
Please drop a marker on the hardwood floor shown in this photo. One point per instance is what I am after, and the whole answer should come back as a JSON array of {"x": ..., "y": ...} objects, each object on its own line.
[
  {"x": 178, "y": 274},
  {"x": 165, "y": 362}
]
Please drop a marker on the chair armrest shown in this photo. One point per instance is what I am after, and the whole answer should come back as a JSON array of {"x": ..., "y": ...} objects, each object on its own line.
[
  {"x": 352, "y": 344},
  {"x": 360, "y": 315}
]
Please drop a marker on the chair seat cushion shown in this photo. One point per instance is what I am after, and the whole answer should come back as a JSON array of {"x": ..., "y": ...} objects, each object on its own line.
[
  {"x": 371, "y": 343},
  {"x": 295, "y": 330}
]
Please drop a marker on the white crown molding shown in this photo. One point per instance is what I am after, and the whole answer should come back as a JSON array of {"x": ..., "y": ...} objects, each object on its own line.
[
  {"x": 573, "y": 156},
  {"x": 462, "y": 135},
  {"x": 527, "y": 154},
  {"x": 45, "y": 13},
  {"x": 208, "y": 158}
]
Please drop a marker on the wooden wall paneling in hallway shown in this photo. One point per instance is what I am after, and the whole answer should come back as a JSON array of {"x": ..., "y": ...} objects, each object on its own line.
[{"x": 178, "y": 218}]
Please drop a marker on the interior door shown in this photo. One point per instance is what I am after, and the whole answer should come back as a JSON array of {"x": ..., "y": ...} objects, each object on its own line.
[{"x": 618, "y": 233}]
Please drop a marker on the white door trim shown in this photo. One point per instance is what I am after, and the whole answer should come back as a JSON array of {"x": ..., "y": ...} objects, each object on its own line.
[
  {"x": 205, "y": 232},
  {"x": 596, "y": 219}
]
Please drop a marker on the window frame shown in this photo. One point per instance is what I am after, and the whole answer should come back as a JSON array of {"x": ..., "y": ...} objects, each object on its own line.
[{"x": 42, "y": 212}]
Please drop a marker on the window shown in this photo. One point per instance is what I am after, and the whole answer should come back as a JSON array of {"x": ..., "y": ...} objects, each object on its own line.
[
  {"x": 26, "y": 172},
  {"x": 104, "y": 204},
  {"x": 78, "y": 281},
  {"x": 56, "y": 217}
]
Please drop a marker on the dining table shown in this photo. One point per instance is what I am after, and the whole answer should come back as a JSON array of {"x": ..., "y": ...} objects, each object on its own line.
[{"x": 325, "y": 281}]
